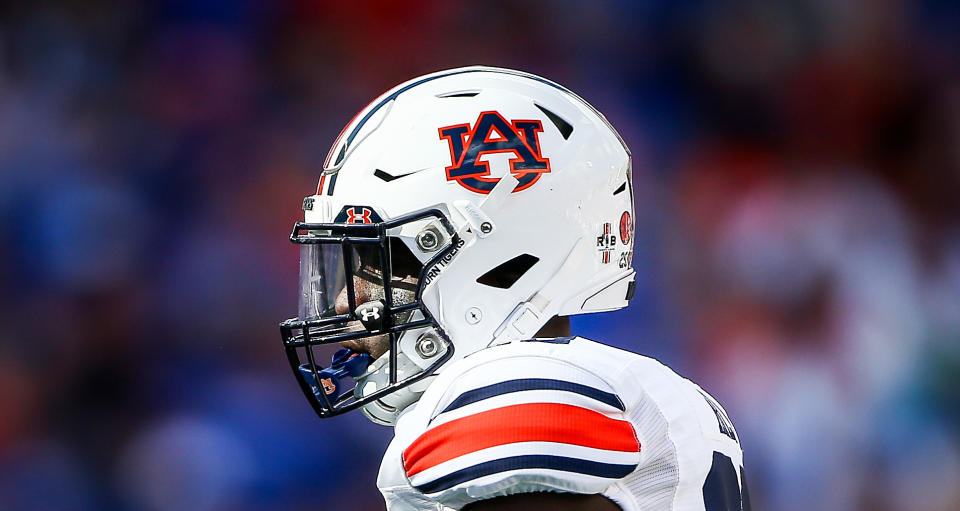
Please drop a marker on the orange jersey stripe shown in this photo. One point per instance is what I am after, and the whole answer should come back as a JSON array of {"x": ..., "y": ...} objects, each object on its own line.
[{"x": 530, "y": 422}]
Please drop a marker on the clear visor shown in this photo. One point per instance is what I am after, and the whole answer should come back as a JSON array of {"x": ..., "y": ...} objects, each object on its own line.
[
  {"x": 358, "y": 291},
  {"x": 321, "y": 280},
  {"x": 325, "y": 291}
]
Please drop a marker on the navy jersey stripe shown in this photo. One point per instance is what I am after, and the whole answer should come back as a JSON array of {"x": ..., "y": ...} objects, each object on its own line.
[
  {"x": 506, "y": 387},
  {"x": 393, "y": 96},
  {"x": 593, "y": 468}
]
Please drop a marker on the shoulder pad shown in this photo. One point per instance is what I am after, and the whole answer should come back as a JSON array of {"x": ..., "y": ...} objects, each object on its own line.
[{"x": 521, "y": 424}]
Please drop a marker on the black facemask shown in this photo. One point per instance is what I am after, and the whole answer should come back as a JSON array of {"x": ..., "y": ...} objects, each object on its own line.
[{"x": 338, "y": 258}]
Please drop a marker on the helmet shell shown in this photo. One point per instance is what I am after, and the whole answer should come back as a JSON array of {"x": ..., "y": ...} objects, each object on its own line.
[{"x": 561, "y": 193}]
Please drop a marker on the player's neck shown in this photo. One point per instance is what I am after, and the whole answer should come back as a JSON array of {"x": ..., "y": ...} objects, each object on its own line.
[{"x": 558, "y": 326}]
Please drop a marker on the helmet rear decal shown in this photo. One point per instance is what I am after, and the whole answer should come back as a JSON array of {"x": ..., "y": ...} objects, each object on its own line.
[
  {"x": 606, "y": 242},
  {"x": 626, "y": 228},
  {"x": 492, "y": 133}
]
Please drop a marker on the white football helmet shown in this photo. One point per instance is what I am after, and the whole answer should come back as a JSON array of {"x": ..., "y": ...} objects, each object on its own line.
[{"x": 479, "y": 202}]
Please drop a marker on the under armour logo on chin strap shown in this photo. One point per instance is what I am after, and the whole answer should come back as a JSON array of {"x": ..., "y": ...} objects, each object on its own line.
[{"x": 370, "y": 315}]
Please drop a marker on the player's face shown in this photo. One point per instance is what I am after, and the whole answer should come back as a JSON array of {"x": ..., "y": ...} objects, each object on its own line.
[
  {"x": 366, "y": 291},
  {"x": 368, "y": 287}
]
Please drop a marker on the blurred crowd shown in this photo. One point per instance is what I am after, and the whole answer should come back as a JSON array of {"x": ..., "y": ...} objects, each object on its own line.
[{"x": 797, "y": 174}]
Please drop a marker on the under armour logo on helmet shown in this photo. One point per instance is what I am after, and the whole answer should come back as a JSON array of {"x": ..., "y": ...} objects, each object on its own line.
[
  {"x": 493, "y": 134},
  {"x": 359, "y": 216}
]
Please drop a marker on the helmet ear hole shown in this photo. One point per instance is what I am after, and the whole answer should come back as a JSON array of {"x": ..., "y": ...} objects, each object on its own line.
[{"x": 506, "y": 274}]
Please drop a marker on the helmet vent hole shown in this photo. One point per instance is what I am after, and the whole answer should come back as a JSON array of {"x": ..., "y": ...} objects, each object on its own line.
[
  {"x": 565, "y": 128},
  {"x": 387, "y": 177},
  {"x": 621, "y": 188},
  {"x": 383, "y": 175},
  {"x": 459, "y": 94},
  {"x": 505, "y": 275}
]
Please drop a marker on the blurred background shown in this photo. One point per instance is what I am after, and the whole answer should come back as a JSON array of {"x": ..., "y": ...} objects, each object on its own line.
[{"x": 797, "y": 173}]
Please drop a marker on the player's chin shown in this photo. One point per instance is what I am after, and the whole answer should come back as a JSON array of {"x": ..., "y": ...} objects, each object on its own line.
[{"x": 375, "y": 346}]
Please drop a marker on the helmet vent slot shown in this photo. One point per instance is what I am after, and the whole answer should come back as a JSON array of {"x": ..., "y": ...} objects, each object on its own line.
[
  {"x": 565, "y": 128},
  {"x": 621, "y": 188},
  {"x": 459, "y": 94},
  {"x": 386, "y": 176},
  {"x": 505, "y": 275}
]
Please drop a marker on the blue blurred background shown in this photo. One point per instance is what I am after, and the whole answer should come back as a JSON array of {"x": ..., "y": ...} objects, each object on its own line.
[{"x": 797, "y": 173}]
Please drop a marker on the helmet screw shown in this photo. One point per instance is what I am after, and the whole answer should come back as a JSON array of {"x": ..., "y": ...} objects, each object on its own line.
[
  {"x": 428, "y": 239},
  {"x": 473, "y": 315},
  {"x": 486, "y": 227},
  {"x": 427, "y": 345}
]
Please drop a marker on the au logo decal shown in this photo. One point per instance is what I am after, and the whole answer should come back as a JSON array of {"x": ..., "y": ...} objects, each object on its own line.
[{"x": 491, "y": 134}]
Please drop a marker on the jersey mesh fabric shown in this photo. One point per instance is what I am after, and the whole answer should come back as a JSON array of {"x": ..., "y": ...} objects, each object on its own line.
[{"x": 654, "y": 483}]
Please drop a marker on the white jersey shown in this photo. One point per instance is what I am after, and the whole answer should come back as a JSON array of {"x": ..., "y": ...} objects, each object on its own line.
[{"x": 564, "y": 415}]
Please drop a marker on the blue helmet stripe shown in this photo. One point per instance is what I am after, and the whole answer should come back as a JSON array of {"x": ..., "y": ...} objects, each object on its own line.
[{"x": 391, "y": 97}]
